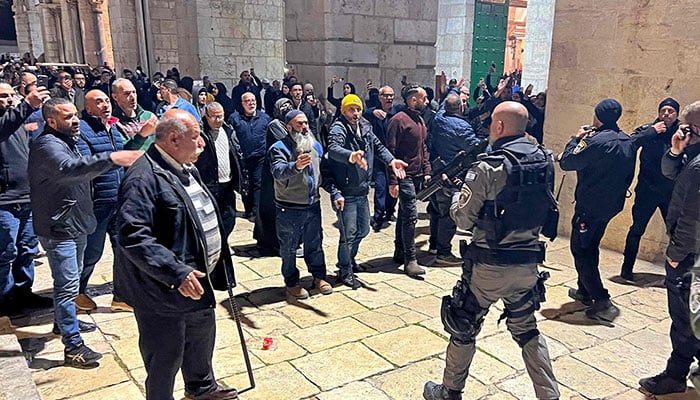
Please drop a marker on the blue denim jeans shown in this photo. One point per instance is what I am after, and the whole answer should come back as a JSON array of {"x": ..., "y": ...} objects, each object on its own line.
[
  {"x": 18, "y": 246},
  {"x": 96, "y": 241},
  {"x": 293, "y": 225},
  {"x": 66, "y": 262},
  {"x": 354, "y": 228}
]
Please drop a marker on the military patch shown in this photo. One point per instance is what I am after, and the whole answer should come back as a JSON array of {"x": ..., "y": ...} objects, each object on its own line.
[
  {"x": 694, "y": 298},
  {"x": 471, "y": 176},
  {"x": 464, "y": 196},
  {"x": 581, "y": 146}
]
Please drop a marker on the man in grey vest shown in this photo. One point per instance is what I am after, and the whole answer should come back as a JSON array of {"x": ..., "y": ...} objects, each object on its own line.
[{"x": 501, "y": 261}]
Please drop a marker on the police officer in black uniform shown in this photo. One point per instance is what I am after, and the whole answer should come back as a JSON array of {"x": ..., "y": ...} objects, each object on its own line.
[
  {"x": 653, "y": 188},
  {"x": 682, "y": 163},
  {"x": 603, "y": 157},
  {"x": 506, "y": 198}
]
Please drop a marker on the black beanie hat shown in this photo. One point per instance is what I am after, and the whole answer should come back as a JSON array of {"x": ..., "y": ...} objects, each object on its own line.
[
  {"x": 671, "y": 102},
  {"x": 608, "y": 111}
]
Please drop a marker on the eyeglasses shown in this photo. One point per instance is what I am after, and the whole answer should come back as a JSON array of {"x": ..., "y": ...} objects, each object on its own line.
[
  {"x": 216, "y": 117},
  {"x": 387, "y": 95},
  {"x": 249, "y": 101}
]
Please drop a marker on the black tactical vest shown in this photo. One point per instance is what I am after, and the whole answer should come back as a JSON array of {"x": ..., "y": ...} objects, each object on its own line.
[{"x": 526, "y": 200}]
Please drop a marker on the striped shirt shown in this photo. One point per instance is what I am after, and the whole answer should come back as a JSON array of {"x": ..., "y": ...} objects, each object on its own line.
[{"x": 206, "y": 213}]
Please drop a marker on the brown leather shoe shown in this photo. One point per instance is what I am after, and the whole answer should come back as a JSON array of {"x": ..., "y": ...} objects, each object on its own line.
[
  {"x": 220, "y": 393},
  {"x": 323, "y": 286},
  {"x": 120, "y": 306},
  {"x": 84, "y": 303},
  {"x": 298, "y": 292}
]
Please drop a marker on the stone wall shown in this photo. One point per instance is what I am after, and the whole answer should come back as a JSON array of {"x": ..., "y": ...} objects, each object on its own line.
[
  {"x": 236, "y": 35},
  {"x": 379, "y": 40},
  {"x": 637, "y": 53},
  {"x": 538, "y": 43},
  {"x": 125, "y": 39},
  {"x": 455, "y": 37}
]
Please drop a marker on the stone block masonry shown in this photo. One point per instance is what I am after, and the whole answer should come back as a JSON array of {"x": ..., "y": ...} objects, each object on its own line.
[{"x": 379, "y": 40}]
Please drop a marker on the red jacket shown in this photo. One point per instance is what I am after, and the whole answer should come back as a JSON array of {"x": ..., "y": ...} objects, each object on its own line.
[{"x": 405, "y": 139}]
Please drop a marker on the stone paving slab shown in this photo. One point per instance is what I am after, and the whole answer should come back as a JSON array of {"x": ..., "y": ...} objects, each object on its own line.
[{"x": 382, "y": 341}]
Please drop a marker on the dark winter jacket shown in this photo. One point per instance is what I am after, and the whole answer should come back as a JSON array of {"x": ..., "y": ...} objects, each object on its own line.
[
  {"x": 14, "y": 155},
  {"x": 604, "y": 165},
  {"x": 683, "y": 218},
  {"x": 161, "y": 240},
  {"x": 95, "y": 138},
  {"x": 654, "y": 146},
  {"x": 294, "y": 188},
  {"x": 350, "y": 179},
  {"x": 251, "y": 132},
  {"x": 59, "y": 179},
  {"x": 242, "y": 88},
  {"x": 450, "y": 134},
  {"x": 208, "y": 163}
]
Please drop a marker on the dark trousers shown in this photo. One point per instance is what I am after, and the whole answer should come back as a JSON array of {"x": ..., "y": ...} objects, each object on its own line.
[
  {"x": 384, "y": 204},
  {"x": 442, "y": 226},
  {"x": 646, "y": 201},
  {"x": 170, "y": 342},
  {"x": 18, "y": 246},
  {"x": 226, "y": 201},
  {"x": 684, "y": 344},
  {"x": 295, "y": 225},
  {"x": 96, "y": 241},
  {"x": 586, "y": 234},
  {"x": 254, "y": 167},
  {"x": 405, "y": 239}
]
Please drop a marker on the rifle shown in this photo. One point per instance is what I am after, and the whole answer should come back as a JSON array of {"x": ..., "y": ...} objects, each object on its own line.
[{"x": 454, "y": 169}]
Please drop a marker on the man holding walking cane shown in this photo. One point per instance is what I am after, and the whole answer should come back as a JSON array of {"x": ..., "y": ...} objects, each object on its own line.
[{"x": 352, "y": 147}]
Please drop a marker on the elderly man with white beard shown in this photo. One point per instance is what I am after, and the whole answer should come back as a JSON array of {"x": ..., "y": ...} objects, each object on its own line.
[{"x": 295, "y": 163}]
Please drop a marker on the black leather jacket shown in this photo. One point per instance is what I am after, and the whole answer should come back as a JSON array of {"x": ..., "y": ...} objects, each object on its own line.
[{"x": 208, "y": 163}]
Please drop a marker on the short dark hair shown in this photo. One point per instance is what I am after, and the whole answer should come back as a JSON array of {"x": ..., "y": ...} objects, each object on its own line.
[
  {"x": 297, "y": 83},
  {"x": 410, "y": 91},
  {"x": 48, "y": 110}
]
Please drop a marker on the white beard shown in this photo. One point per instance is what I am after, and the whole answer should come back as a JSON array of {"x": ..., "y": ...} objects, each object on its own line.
[{"x": 305, "y": 141}]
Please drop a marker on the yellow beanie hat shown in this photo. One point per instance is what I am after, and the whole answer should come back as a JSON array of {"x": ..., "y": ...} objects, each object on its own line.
[{"x": 350, "y": 100}]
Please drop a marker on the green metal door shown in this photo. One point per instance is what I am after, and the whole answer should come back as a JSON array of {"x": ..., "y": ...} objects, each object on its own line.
[{"x": 489, "y": 45}]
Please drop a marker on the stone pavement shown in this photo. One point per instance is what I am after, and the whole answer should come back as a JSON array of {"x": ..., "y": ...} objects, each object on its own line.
[{"x": 380, "y": 342}]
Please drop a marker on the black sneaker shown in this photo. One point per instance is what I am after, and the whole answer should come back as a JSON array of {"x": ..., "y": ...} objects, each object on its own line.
[
  {"x": 83, "y": 327},
  {"x": 434, "y": 391},
  {"x": 350, "y": 280},
  {"x": 603, "y": 310},
  {"x": 376, "y": 225},
  {"x": 81, "y": 356},
  {"x": 575, "y": 295},
  {"x": 663, "y": 384},
  {"x": 448, "y": 260}
]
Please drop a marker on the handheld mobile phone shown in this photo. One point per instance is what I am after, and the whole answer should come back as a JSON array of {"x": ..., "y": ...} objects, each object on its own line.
[
  {"x": 42, "y": 80},
  {"x": 686, "y": 131}
]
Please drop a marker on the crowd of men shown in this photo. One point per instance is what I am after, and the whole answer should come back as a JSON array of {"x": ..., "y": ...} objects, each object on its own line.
[{"x": 155, "y": 165}]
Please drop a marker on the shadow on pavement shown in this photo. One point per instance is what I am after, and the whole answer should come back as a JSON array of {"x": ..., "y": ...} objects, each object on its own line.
[{"x": 642, "y": 280}]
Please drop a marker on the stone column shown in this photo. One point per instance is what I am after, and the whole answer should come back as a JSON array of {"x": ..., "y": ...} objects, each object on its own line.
[
  {"x": 36, "y": 43},
  {"x": 455, "y": 38},
  {"x": 72, "y": 20},
  {"x": 50, "y": 34},
  {"x": 24, "y": 40},
  {"x": 538, "y": 43},
  {"x": 96, "y": 8}
]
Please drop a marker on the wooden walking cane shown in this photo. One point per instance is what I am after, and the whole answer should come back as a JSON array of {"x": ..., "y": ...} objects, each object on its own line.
[{"x": 236, "y": 311}]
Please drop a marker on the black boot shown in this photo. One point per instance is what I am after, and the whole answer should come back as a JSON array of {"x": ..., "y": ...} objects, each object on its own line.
[
  {"x": 663, "y": 384},
  {"x": 603, "y": 310},
  {"x": 434, "y": 391},
  {"x": 626, "y": 269}
]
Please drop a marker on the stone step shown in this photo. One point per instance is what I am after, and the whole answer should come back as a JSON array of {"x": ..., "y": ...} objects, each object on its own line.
[{"x": 14, "y": 372}]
